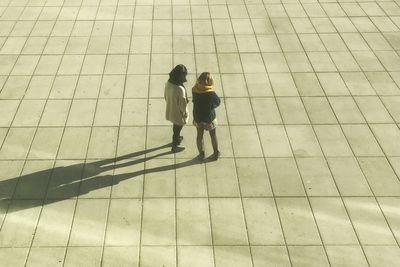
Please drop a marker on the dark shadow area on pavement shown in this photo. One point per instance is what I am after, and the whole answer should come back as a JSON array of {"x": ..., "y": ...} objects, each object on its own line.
[{"x": 65, "y": 182}]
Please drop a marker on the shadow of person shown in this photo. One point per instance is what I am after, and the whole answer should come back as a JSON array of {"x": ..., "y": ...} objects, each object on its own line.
[{"x": 64, "y": 182}]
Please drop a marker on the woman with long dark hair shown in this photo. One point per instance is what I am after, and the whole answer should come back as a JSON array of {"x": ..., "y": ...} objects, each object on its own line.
[{"x": 176, "y": 104}]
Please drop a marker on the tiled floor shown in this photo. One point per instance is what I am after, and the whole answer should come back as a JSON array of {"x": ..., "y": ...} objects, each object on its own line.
[{"x": 308, "y": 130}]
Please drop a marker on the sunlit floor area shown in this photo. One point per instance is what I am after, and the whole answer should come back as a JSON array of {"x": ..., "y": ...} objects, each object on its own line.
[{"x": 308, "y": 130}]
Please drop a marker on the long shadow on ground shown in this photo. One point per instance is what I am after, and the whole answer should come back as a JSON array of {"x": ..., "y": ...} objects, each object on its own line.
[{"x": 59, "y": 183}]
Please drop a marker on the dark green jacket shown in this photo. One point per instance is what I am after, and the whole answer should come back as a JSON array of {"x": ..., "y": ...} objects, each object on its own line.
[{"x": 204, "y": 105}]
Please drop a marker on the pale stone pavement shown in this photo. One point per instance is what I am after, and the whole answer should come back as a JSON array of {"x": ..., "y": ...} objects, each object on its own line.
[{"x": 308, "y": 130}]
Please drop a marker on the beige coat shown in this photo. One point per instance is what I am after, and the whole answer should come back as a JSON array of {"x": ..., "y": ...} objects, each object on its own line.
[{"x": 176, "y": 110}]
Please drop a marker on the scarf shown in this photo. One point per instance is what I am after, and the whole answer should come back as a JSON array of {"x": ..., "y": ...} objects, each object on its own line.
[{"x": 200, "y": 88}]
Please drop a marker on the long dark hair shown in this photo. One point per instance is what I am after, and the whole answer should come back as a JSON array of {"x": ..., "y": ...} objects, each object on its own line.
[{"x": 178, "y": 75}]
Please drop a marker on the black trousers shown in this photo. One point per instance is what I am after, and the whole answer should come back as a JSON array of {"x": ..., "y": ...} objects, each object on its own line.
[{"x": 177, "y": 132}]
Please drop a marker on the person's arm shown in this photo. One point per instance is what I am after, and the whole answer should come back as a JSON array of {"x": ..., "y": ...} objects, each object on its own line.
[
  {"x": 165, "y": 92},
  {"x": 216, "y": 100},
  {"x": 182, "y": 101}
]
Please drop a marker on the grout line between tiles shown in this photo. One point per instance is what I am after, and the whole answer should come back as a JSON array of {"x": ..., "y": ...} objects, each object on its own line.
[
  {"x": 84, "y": 160},
  {"x": 116, "y": 142},
  {"x": 174, "y": 155},
  {"x": 219, "y": 197},
  {"x": 145, "y": 143},
  {"x": 205, "y": 165}
]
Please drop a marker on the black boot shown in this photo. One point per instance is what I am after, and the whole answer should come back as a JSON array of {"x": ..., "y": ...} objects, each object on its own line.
[
  {"x": 180, "y": 139},
  {"x": 176, "y": 145},
  {"x": 201, "y": 156},
  {"x": 216, "y": 155}
]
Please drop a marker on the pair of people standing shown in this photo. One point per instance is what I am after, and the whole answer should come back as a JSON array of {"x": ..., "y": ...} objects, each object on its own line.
[{"x": 205, "y": 100}]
